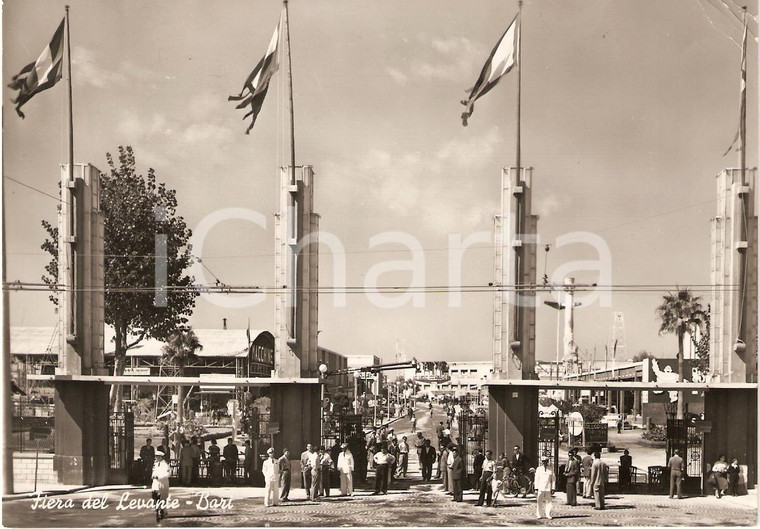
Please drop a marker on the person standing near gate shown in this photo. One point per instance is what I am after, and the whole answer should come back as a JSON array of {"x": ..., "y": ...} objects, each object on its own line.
[
  {"x": 248, "y": 463},
  {"x": 598, "y": 482},
  {"x": 346, "y": 468},
  {"x": 571, "y": 473},
  {"x": 477, "y": 467},
  {"x": 284, "y": 466},
  {"x": 676, "y": 466},
  {"x": 271, "y": 471},
  {"x": 197, "y": 456},
  {"x": 457, "y": 474},
  {"x": 186, "y": 463},
  {"x": 443, "y": 461},
  {"x": 326, "y": 461},
  {"x": 626, "y": 462},
  {"x": 148, "y": 457},
  {"x": 586, "y": 463},
  {"x": 306, "y": 470},
  {"x": 383, "y": 461},
  {"x": 544, "y": 486},
  {"x": 230, "y": 454},
  {"x": 488, "y": 469}
]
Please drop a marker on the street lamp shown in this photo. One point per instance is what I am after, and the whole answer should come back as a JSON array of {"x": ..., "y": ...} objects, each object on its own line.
[{"x": 357, "y": 376}]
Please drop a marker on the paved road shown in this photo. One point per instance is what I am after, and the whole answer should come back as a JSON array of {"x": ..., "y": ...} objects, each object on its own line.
[
  {"x": 409, "y": 503},
  {"x": 418, "y": 505}
]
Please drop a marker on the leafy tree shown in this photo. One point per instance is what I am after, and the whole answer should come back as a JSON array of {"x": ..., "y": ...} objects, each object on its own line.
[
  {"x": 676, "y": 313},
  {"x": 137, "y": 209},
  {"x": 642, "y": 355},
  {"x": 180, "y": 349},
  {"x": 702, "y": 346}
]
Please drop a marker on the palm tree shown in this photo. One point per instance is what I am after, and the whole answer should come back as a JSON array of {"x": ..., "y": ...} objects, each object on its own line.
[
  {"x": 180, "y": 350},
  {"x": 676, "y": 312}
]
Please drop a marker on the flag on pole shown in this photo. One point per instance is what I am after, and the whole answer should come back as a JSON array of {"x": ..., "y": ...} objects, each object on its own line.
[
  {"x": 41, "y": 74},
  {"x": 743, "y": 94},
  {"x": 503, "y": 57},
  {"x": 256, "y": 85}
]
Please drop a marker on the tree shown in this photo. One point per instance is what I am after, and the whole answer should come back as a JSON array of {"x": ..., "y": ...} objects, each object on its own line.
[
  {"x": 676, "y": 314},
  {"x": 701, "y": 320},
  {"x": 180, "y": 349},
  {"x": 137, "y": 209},
  {"x": 642, "y": 355}
]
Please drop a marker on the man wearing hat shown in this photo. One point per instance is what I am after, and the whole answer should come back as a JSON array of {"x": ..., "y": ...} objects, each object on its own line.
[
  {"x": 160, "y": 484},
  {"x": 271, "y": 471},
  {"x": 345, "y": 468},
  {"x": 544, "y": 485}
]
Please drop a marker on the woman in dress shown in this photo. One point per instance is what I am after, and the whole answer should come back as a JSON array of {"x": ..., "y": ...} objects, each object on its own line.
[{"x": 720, "y": 470}]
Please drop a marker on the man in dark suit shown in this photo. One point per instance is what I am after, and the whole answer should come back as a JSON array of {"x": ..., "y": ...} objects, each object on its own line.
[
  {"x": 427, "y": 458},
  {"x": 477, "y": 467},
  {"x": 457, "y": 474},
  {"x": 148, "y": 456},
  {"x": 517, "y": 464}
]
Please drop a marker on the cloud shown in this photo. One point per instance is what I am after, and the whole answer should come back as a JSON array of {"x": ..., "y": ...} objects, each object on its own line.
[
  {"x": 547, "y": 204},
  {"x": 210, "y": 135},
  {"x": 398, "y": 76},
  {"x": 452, "y": 59},
  {"x": 414, "y": 185},
  {"x": 87, "y": 71}
]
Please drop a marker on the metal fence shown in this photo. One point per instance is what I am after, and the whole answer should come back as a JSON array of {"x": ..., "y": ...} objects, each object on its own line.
[{"x": 33, "y": 427}]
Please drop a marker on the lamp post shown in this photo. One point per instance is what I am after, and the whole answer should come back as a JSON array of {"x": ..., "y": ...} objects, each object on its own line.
[
  {"x": 323, "y": 379},
  {"x": 357, "y": 375}
]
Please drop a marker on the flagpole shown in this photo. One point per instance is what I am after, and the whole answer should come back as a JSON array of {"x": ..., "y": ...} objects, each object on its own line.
[
  {"x": 290, "y": 97},
  {"x": 520, "y": 205},
  {"x": 6, "y": 370},
  {"x": 70, "y": 279},
  {"x": 743, "y": 104}
]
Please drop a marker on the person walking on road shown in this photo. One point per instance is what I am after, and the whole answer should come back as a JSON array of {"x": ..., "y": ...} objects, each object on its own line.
[
  {"x": 427, "y": 458},
  {"x": 720, "y": 471},
  {"x": 544, "y": 486},
  {"x": 571, "y": 474},
  {"x": 598, "y": 482},
  {"x": 306, "y": 470},
  {"x": 160, "y": 484},
  {"x": 457, "y": 474},
  {"x": 284, "y": 466},
  {"x": 414, "y": 423},
  {"x": 346, "y": 468},
  {"x": 488, "y": 469},
  {"x": 271, "y": 471},
  {"x": 676, "y": 466}
]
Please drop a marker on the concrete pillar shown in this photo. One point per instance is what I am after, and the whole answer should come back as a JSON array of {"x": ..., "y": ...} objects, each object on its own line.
[
  {"x": 295, "y": 407},
  {"x": 513, "y": 420},
  {"x": 81, "y": 433},
  {"x": 733, "y": 414}
]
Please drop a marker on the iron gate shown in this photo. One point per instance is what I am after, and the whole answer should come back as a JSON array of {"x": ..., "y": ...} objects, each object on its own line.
[
  {"x": 548, "y": 438},
  {"x": 682, "y": 435},
  {"x": 473, "y": 432},
  {"x": 121, "y": 446}
]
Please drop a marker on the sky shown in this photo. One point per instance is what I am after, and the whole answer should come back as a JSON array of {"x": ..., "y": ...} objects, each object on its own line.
[{"x": 627, "y": 107}]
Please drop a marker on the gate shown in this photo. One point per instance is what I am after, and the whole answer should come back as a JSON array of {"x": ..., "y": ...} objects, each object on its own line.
[
  {"x": 473, "y": 432},
  {"x": 121, "y": 446},
  {"x": 548, "y": 438},
  {"x": 682, "y": 435}
]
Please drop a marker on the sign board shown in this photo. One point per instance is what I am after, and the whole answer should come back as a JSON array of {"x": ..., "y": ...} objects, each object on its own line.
[
  {"x": 703, "y": 426},
  {"x": 273, "y": 428},
  {"x": 665, "y": 370},
  {"x": 575, "y": 423},
  {"x": 137, "y": 371},
  {"x": 596, "y": 433}
]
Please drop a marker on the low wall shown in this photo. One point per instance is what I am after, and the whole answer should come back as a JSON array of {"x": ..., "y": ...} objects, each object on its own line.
[{"x": 24, "y": 465}]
